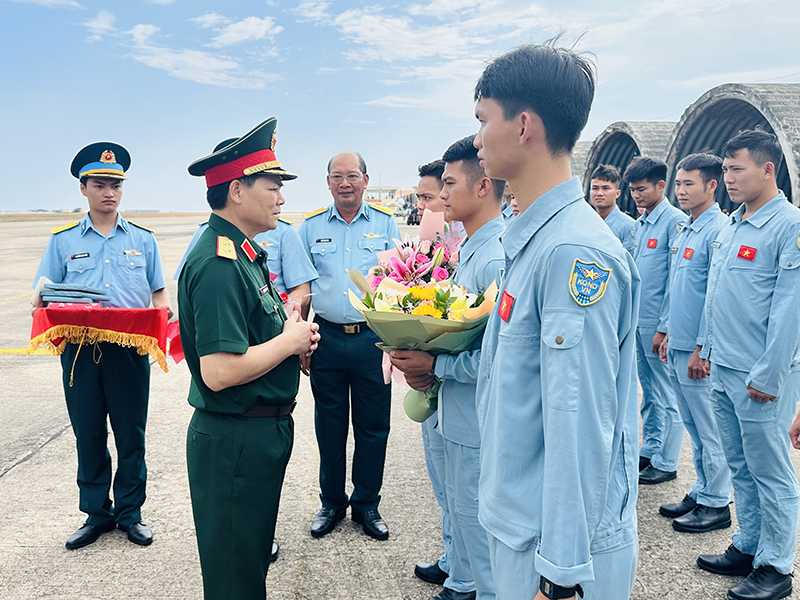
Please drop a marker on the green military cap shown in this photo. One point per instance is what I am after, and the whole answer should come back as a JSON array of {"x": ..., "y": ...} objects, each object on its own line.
[{"x": 101, "y": 159}]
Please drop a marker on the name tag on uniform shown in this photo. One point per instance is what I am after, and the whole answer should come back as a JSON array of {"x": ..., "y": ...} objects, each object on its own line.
[
  {"x": 715, "y": 244},
  {"x": 687, "y": 254},
  {"x": 81, "y": 255},
  {"x": 652, "y": 243},
  {"x": 263, "y": 290},
  {"x": 324, "y": 240},
  {"x": 673, "y": 249}
]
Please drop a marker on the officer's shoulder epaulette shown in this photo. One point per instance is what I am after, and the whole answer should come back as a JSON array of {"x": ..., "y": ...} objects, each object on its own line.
[
  {"x": 383, "y": 209},
  {"x": 314, "y": 213},
  {"x": 61, "y": 228},
  {"x": 226, "y": 248},
  {"x": 141, "y": 226},
  {"x": 287, "y": 221}
]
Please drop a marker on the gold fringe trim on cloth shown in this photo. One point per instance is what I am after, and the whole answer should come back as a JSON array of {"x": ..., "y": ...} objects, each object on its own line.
[{"x": 77, "y": 334}]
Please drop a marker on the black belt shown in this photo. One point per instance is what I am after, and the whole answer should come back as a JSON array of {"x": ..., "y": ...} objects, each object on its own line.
[
  {"x": 344, "y": 327},
  {"x": 270, "y": 410}
]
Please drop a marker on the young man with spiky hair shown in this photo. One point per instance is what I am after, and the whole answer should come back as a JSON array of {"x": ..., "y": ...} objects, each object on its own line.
[
  {"x": 705, "y": 507},
  {"x": 603, "y": 192},
  {"x": 474, "y": 199},
  {"x": 753, "y": 343},
  {"x": 654, "y": 235},
  {"x": 558, "y": 490}
]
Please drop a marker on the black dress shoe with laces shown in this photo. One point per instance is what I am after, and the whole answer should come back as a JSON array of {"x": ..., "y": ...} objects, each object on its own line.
[
  {"x": 703, "y": 519},
  {"x": 448, "y": 594},
  {"x": 372, "y": 524},
  {"x": 430, "y": 572},
  {"x": 653, "y": 476},
  {"x": 644, "y": 462},
  {"x": 764, "y": 583},
  {"x": 326, "y": 520},
  {"x": 733, "y": 562},
  {"x": 138, "y": 533},
  {"x": 276, "y": 549},
  {"x": 677, "y": 509},
  {"x": 88, "y": 534}
]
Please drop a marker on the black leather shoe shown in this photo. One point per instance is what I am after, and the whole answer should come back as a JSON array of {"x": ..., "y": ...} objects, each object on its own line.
[
  {"x": 677, "y": 509},
  {"x": 430, "y": 572},
  {"x": 372, "y": 524},
  {"x": 326, "y": 520},
  {"x": 644, "y": 462},
  {"x": 138, "y": 533},
  {"x": 653, "y": 476},
  {"x": 732, "y": 562},
  {"x": 88, "y": 534},
  {"x": 703, "y": 519},
  {"x": 765, "y": 583},
  {"x": 275, "y": 551},
  {"x": 448, "y": 594}
]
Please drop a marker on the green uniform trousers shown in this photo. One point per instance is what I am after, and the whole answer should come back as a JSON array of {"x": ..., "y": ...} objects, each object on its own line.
[
  {"x": 236, "y": 469},
  {"x": 109, "y": 382}
]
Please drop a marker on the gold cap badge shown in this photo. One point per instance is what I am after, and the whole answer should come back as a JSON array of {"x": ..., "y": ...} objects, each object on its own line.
[{"x": 108, "y": 157}]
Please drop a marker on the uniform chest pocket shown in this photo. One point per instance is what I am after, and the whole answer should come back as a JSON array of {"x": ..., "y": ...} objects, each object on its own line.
[
  {"x": 323, "y": 256},
  {"x": 376, "y": 244},
  {"x": 273, "y": 321},
  {"x": 80, "y": 265},
  {"x": 132, "y": 262}
]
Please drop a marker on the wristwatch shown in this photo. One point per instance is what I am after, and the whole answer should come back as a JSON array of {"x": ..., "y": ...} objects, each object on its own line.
[{"x": 553, "y": 591}]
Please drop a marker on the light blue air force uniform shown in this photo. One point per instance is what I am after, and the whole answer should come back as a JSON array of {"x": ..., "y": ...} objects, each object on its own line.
[
  {"x": 126, "y": 265},
  {"x": 753, "y": 339},
  {"x": 508, "y": 215},
  {"x": 286, "y": 258},
  {"x": 621, "y": 225},
  {"x": 662, "y": 426},
  {"x": 691, "y": 257},
  {"x": 481, "y": 262},
  {"x": 559, "y": 432}
]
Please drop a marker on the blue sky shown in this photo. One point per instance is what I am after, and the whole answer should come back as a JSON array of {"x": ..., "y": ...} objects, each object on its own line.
[{"x": 169, "y": 79}]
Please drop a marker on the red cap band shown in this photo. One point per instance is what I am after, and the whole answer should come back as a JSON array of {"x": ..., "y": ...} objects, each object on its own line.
[{"x": 233, "y": 170}]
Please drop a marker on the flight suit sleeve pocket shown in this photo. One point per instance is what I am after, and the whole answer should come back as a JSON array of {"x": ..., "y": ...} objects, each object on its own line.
[
  {"x": 562, "y": 358},
  {"x": 562, "y": 328}
]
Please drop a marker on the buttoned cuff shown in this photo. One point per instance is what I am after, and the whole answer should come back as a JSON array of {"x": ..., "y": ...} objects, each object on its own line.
[
  {"x": 439, "y": 366},
  {"x": 763, "y": 387},
  {"x": 705, "y": 351},
  {"x": 563, "y": 576}
]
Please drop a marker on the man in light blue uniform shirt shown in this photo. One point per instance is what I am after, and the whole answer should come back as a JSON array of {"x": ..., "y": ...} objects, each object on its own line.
[
  {"x": 121, "y": 260},
  {"x": 346, "y": 368},
  {"x": 705, "y": 507},
  {"x": 753, "y": 342},
  {"x": 604, "y": 192},
  {"x": 556, "y": 386},
  {"x": 654, "y": 235},
  {"x": 474, "y": 199}
]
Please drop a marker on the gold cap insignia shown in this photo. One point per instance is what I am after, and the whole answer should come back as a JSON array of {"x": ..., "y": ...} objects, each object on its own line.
[{"x": 108, "y": 157}]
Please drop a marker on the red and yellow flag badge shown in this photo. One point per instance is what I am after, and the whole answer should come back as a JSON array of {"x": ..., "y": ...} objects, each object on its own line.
[
  {"x": 248, "y": 250},
  {"x": 687, "y": 254},
  {"x": 652, "y": 243},
  {"x": 506, "y": 302},
  {"x": 747, "y": 253}
]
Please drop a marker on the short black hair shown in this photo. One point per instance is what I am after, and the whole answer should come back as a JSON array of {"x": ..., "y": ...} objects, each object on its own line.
[
  {"x": 608, "y": 173},
  {"x": 464, "y": 150},
  {"x": 432, "y": 169},
  {"x": 762, "y": 146},
  {"x": 362, "y": 164},
  {"x": 645, "y": 167},
  {"x": 555, "y": 83},
  {"x": 709, "y": 165},
  {"x": 217, "y": 195}
]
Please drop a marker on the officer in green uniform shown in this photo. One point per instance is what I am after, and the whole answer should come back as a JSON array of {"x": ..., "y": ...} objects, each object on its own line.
[{"x": 244, "y": 355}]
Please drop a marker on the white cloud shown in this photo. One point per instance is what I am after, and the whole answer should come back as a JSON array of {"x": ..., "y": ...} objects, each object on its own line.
[
  {"x": 211, "y": 19},
  {"x": 142, "y": 33},
  {"x": 99, "y": 26},
  {"x": 249, "y": 29},
  {"x": 312, "y": 10},
  {"x": 399, "y": 102},
  {"x": 443, "y": 9},
  {"x": 51, "y": 3}
]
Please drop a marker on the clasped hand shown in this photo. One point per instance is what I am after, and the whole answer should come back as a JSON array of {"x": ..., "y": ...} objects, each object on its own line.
[
  {"x": 303, "y": 338},
  {"x": 417, "y": 367}
]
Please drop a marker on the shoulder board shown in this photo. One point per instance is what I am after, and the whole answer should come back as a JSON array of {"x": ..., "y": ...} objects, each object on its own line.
[
  {"x": 225, "y": 248},
  {"x": 383, "y": 209},
  {"x": 65, "y": 227},
  {"x": 287, "y": 221},
  {"x": 314, "y": 213},
  {"x": 141, "y": 226}
]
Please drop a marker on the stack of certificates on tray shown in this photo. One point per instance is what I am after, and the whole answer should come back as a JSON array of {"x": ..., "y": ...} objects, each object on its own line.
[{"x": 71, "y": 293}]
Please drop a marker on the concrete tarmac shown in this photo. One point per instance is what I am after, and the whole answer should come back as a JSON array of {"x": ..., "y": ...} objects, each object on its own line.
[{"x": 39, "y": 496}]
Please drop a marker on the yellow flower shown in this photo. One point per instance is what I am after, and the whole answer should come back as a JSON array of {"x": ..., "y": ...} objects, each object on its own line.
[
  {"x": 426, "y": 310},
  {"x": 381, "y": 305},
  {"x": 455, "y": 315},
  {"x": 422, "y": 293}
]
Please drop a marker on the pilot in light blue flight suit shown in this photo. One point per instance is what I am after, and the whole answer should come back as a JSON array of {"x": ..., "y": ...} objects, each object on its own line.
[
  {"x": 705, "y": 507},
  {"x": 655, "y": 231},
  {"x": 603, "y": 194},
  {"x": 753, "y": 342},
  {"x": 346, "y": 373},
  {"x": 120, "y": 259}
]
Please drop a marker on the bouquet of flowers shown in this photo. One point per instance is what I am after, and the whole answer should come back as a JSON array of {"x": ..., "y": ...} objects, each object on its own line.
[{"x": 436, "y": 317}]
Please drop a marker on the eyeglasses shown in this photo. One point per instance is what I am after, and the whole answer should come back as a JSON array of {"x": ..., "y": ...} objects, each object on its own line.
[{"x": 351, "y": 178}]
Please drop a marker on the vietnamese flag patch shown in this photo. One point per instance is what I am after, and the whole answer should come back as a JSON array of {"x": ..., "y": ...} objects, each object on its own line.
[
  {"x": 652, "y": 243},
  {"x": 506, "y": 302},
  {"x": 747, "y": 253},
  {"x": 687, "y": 254}
]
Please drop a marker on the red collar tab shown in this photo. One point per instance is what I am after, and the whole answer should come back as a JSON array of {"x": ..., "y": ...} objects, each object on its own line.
[
  {"x": 652, "y": 243},
  {"x": 687, "y": 254},
  {"x": 506, "y": 302},
  {"x": 747, "y": 253},
  {"x": 234, "y": 169},
  {"x": 248, "y": 250}
]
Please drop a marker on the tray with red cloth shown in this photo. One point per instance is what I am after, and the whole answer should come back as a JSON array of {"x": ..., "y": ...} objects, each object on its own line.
[{"x": 142, "y": 328}]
